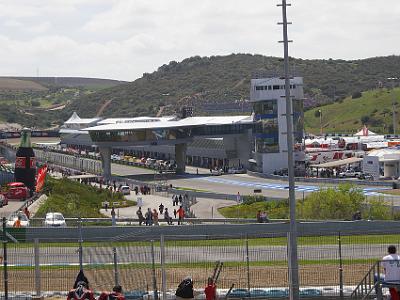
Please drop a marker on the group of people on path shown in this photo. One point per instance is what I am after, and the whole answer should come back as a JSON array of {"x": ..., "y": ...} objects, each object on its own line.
[{"x": 151, "y": 217}]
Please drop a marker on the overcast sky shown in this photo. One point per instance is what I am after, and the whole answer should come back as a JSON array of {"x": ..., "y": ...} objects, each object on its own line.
[{"x": 122, "y": 39}]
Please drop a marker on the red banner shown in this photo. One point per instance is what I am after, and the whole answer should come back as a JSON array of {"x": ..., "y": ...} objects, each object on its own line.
[{"x": 41, "y": 176}]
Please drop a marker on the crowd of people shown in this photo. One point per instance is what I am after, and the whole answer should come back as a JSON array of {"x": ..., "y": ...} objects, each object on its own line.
[{"x": 151, "y": 217}]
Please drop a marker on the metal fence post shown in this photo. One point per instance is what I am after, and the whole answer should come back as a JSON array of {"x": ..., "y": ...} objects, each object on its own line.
[
  {"x": 153, "y": 265},
  {"x": 5, "y": 270},
  {"x": 340, "y": 267},
  {"x": 116, "y": 277},
  {"x": 38, "y": 275},
  {"x": 248, "y": 264},
  {"x": 163, "y": 274},
  {"x": 80, "y": 243}
]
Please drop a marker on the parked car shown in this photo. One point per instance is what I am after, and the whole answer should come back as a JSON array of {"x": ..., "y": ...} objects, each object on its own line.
[
  {"x": 349, "y": 173},
  {"x": 17, "y": 190},
  {"x": 236, "y": 171},
  {"x": 54, "y": 219},
  {"x": 24, "y": 220},
  {"x": 216, "y": 172},
  {"x": 366, "y": 176},
  {"x": 125, "y": 190}
]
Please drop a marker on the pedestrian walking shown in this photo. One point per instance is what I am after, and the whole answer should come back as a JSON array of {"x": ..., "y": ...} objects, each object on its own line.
[
  {"x": 140, "y": 215},
  {"x": 155, "y": 217},
  {"x": 149, "y": 218},
  {"x": 175, "y": 213},
  {"x": 113, "y": 220},
  {"x": 167, "y": 217},
  {"x": 180, "y": 199},
  {"x": 161, "y": 208},
  {"x": 181, "y": 215}
]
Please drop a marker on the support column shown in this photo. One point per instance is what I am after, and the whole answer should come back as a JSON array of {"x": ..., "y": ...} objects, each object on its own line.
[
  {"x": 180, "y": 158},
  {"x": 105, "y": 153}
]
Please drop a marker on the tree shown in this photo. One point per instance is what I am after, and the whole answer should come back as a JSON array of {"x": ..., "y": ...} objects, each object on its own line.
[{"x": 331, "y": 203}]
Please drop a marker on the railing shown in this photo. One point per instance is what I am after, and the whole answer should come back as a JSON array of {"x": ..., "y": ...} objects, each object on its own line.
[
  {"x": 372, "y": 283},
  {"x": 369, "y": 283}
]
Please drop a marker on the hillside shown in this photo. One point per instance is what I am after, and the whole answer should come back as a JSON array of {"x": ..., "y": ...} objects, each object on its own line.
[
  {"x": 373, "y": 108},
  {"x": 90, "y": 83},
  {"x": 219, "y": 79},
  {"x": 12, "y": 84}
]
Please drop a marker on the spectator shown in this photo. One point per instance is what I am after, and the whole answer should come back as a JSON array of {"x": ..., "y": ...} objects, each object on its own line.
[
  {"x": 148, "y": 216},
  {"x": 155, "y": 217},
  {"x": 180, "y": 199},
  {"x": 140, "y": 215},
  {"x": 391, "y": 267},
  {"x": 210, "y": 290},
  {"x": 258, "y": 217},
  {"x": 26, "y": 212},
  {"x": 357, "y": 216},
  {"x": 175, "y": 213},
  {"x": 181, "y": 215},
  {"x": 264, "y": 217},
  {"x": 167, "y": 217},
  {"x": 185, "y": 289},
  {"x": 81, "y": 289},
  {"x": 113, "y": 219},
  {"x": 17, "y": 222},
  {"x": 116, "y": 294},
  {"x": 161, "y": 208}
]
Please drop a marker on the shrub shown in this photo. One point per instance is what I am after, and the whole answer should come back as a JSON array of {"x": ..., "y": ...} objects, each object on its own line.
[{"x": 250, "y": 199}]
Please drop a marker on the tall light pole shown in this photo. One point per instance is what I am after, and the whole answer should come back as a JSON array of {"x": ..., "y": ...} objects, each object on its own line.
[
  {"x": 393, "y": 79},
  {"x": 292, "y": 236}
]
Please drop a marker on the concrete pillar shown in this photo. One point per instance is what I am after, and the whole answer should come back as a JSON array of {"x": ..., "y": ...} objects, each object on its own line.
[
  {"x": 105, "y": 153},
  {"x": 180, "y": 158}
]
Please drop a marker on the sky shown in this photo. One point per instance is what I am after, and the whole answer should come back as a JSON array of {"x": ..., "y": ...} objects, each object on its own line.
[{"x": 122, "y": 39}]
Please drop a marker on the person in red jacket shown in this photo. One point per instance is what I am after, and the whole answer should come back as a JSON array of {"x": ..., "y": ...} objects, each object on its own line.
[
  {"x": 116, "y": 294},
  {"x": 210, "y": 290},
  {"x": 181, "y": 215},
  {"x": 81, "y": 292}
]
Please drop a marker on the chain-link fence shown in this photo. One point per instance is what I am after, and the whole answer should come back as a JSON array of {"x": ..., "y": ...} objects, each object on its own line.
[{"x": 327, "y": 264}]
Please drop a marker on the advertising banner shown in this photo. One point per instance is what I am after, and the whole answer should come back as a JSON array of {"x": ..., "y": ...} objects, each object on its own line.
[{"x": 41, "y": 177}]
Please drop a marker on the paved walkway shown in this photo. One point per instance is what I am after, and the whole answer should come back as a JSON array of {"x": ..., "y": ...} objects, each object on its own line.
[{"x": 204, "y": 208}]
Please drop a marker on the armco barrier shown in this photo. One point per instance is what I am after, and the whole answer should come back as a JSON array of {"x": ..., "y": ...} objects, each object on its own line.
[
  {"x": 321, "y": 180},
  {"x": 136, "y": 233}
]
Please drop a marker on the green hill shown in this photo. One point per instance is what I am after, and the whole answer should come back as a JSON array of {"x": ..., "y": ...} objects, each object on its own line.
[
  {"x": 373, "y": 108},
  {"x": 198, "y": 80}
]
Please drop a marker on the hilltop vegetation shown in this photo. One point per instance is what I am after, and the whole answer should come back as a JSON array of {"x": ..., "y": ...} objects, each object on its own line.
[
  {"x": 36, "y": 102},
  {"x": 373, "y": 108},
  {"x": 199, "y": 81},
  {"x": 217, "y": 79}
]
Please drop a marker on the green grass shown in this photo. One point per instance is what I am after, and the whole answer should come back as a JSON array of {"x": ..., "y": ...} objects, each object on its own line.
[
  {"x": 191, "y": 190},
  {"x": 275, "y": 209},
  {"x": 345, "y": 116},
  {"x": 73, "y": 199}
]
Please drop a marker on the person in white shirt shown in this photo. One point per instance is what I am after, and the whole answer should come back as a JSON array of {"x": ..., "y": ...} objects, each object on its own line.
[{"x": 391, "y": 265}]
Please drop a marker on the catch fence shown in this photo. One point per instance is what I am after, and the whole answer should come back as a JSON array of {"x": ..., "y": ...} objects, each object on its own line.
[{"x": 328, "y": 265}]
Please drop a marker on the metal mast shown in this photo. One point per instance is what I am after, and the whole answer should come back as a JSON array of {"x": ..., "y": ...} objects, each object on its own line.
[{"x": 292, "y": 236}]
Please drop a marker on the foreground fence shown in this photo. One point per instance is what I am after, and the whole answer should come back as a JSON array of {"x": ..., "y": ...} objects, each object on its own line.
[{"x": 328, "y": 265}]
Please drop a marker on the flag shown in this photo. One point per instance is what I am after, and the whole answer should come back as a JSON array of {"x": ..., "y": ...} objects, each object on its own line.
[{"x": 41, "y": 176}]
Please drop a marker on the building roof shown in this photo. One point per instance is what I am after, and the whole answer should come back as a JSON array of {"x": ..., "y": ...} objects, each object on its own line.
[
  {"x": 75, "y": 119},
  {"x": 338, "y": 163},
  {"x": 135, "y": 120},
  {"x": 187, "y": 122}
]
